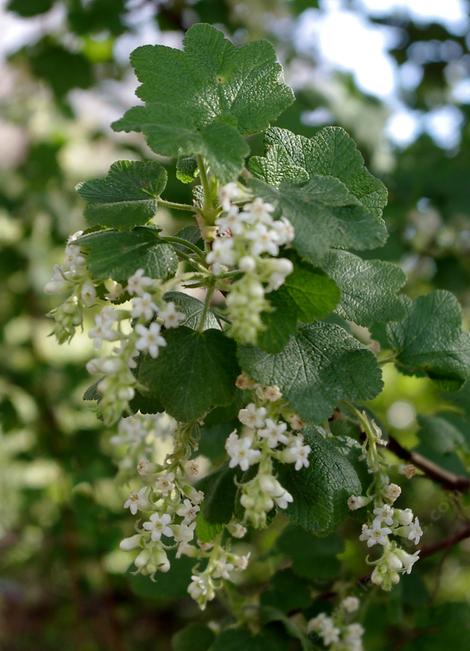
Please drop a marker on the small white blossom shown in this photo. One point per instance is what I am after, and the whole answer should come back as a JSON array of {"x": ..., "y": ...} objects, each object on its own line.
[
  {"x": 150, "y": 339},
  {"x": 252, "y": 416},
  {"x": 384, "y": 514},
  {"x": 350, "y": 604},
  {"x": 157, "y": 525},
  {"x": 188, "y": 511},
  {"x": 143, "y": 307},
  {"x": 375, "y": 534},
  {"x": 241, "y": 452},
  {"x": 137, "y": 501},
  {"x": 273, "y": 433},
  {"x": 392, "y": 492},
  {"x": 138, "y": 283},
  {"x": 297, "y": 453},
  {"x": 170, "y": 316}
]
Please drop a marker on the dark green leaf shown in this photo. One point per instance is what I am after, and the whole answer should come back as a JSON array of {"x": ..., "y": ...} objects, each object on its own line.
[
  {"x": 312, "y": 557},
  {"x": 338, "y": 204},
  {"x": 192, "y": 374},
  {"x": 220, "y": 491},
  {"x": 279, "y": 323},
  {"x": 368, "y": 287},
  {"x": 320, "y": 491},
  {"x": 320, "y": 365},
  {"x": 193, "y": 309},
  {"x": 199, "y": 100},
  {"x": 118, "y": 255},
  {"x": 429, "y": 340},
  {"x": 127, "y": 196},
  {"x": 313, "y": 292},
  {"x": 194, "y": 637}
]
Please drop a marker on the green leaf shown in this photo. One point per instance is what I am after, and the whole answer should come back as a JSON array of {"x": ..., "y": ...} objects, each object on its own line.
[
  {"x": 195, "y": 372},
  {"x": 186, "y": 169},
  {"x": 429, "y": 340},
  {"x": 279, "y": 323},
  {"x": 320, "y": 491},
  {"x": 270, "y": 614},
  {"x": 313, "y": 292},
  {"x": 338, "y": 203},
  {"x": 287, "y": 592},
  {"x": 312, "y": 557},
  {"x": 368, "y": 287},
  {"x": 127, "y": 196},
  {"x": 441, "y": 440},
  {"x": 240, "y": 639},
  {"x": 320, "y": 365},
  {"x": 118, "y": 255},
  {"x": 169, "y": 585},
  {"x": 220, "y": 491},
  {"x": 446, "y": 626},
  {"x": 199, "y": 101},
  {"x": 192, "y": 308},
  {"x": 207, "y": 531},
  {"x": 194, "y": 637}
]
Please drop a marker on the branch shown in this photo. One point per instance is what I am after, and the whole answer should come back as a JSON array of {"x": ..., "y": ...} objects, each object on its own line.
[
  {"x": 446, "y": 543},
  {"x": 447, "y": 479}
]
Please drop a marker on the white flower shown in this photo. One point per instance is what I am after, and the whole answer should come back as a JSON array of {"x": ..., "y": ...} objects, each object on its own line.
[
  {"x": 392, "y": 492},
  {"x": 263, "y": 240},
  {"x": 236, "y": 529},
  {"x": 158, "y": 526},
  {"x": 188, "y": 511},
  {"x": 271, "y": 393},
  {"x": 138, "y": 283},
  {"x": 357, "y": 502},
  {"x": 222, "y": 569},
  {"x": 165, "y": 483},
  {"x": 350, "y": 604},
  {"x": 137, "y": 501},
  {"x": 150, "y": 339},
  {"x": 408, "y": 560},
  {"x": 247, "y": 263},
  {"x": 252, "y": 416},
  {"x": 375, "y": 534},
  {"x": 231, "y": 192},
  {"x": 143, "y": 306},
  {"x": 297, "y": 453},
  {"x": 127, "y": 544},
  {"x": 273, "y": 433},
  {"x": 145, "y": 467},
  {"x": 284, "y": 231},
  {"x": 316, "y": 623},
  {"x": 88, "y": 293},
  {"x": 240, "y": 451},
  {"x": 260, "y": 210},
  {"x": 384, "y": 514},
  {"x": 281, "y": 268},
  {"x": 170, "y": 315},
  {"x": 103, "y": 330},
  {"x": 57, "y": 283},
  {"x": 414, "y": 531},
  {"x": 222, "y": 253},
  {"x": 283, "y": 499},
  {"x": 404, "y": 516}
]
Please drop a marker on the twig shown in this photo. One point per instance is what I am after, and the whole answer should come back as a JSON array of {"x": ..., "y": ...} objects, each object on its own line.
[
  {"x": 447, "y": 479},
  {"x": 446, "y": 543}
]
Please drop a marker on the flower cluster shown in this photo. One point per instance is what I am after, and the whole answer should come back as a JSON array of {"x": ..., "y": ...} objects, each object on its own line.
[
  {"x": 71, "y": 277},
  {"x": 387, "y": 525},
  {"x": 167, "y": 505},
  {"x": 221, "y": 563},
  {"x": 136, "y": 330},
  {"x": 265, "y": 438},
  {"x": 248, "y": 240},
  {"x": 335, "y": 631}
]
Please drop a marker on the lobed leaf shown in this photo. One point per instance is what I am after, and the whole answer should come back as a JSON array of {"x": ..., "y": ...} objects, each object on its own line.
[
  {"x": 126, "y": 197},
  {"x": 118, "y": 255},
  {"x": 320, "y": 365}
]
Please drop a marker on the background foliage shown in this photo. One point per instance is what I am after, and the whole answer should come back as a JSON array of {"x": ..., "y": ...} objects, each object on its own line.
[{"x": 62, "y": 582}]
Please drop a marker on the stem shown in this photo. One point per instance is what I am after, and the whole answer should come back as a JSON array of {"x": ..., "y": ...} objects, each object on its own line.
[
  {"x": 186, "y": 207},
  {"x": 203, "y": 177},
  {"x": 447, "y": 479},
  {"x": 207, "y": 301},
  {"x": 446, "y": 543},
  {"x": 189, "y": 245}
]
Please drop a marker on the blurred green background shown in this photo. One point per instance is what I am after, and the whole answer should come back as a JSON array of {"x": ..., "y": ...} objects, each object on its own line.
[{"x": 396, "y": 75}]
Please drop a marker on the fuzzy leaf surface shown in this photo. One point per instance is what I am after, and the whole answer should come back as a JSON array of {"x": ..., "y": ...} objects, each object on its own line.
[
  {"x": 202, "y": 99},
  {"x": 193, "y": 373},
  {"x": 368, "y": 287},
  {"x": 334, "y": 202},
  {"x": 126, "y": 197},
  {"x": 320, "y": 365},
  {"x": 430, "y": 341},
  {"x": 118, "y": 254}
]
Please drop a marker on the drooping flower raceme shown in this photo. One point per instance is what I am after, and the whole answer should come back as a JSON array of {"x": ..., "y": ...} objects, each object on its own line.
[
  {"x": 336, "y": 631},
  {"x": 387, "y": 527},
  {"x": 265, "y": 437},
  {"x": 249, "y": 240},
  {"x": 72, "y": 278}
]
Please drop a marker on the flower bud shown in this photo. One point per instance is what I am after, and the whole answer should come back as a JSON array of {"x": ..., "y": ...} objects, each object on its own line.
[{"x": 127, "y": 544}]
